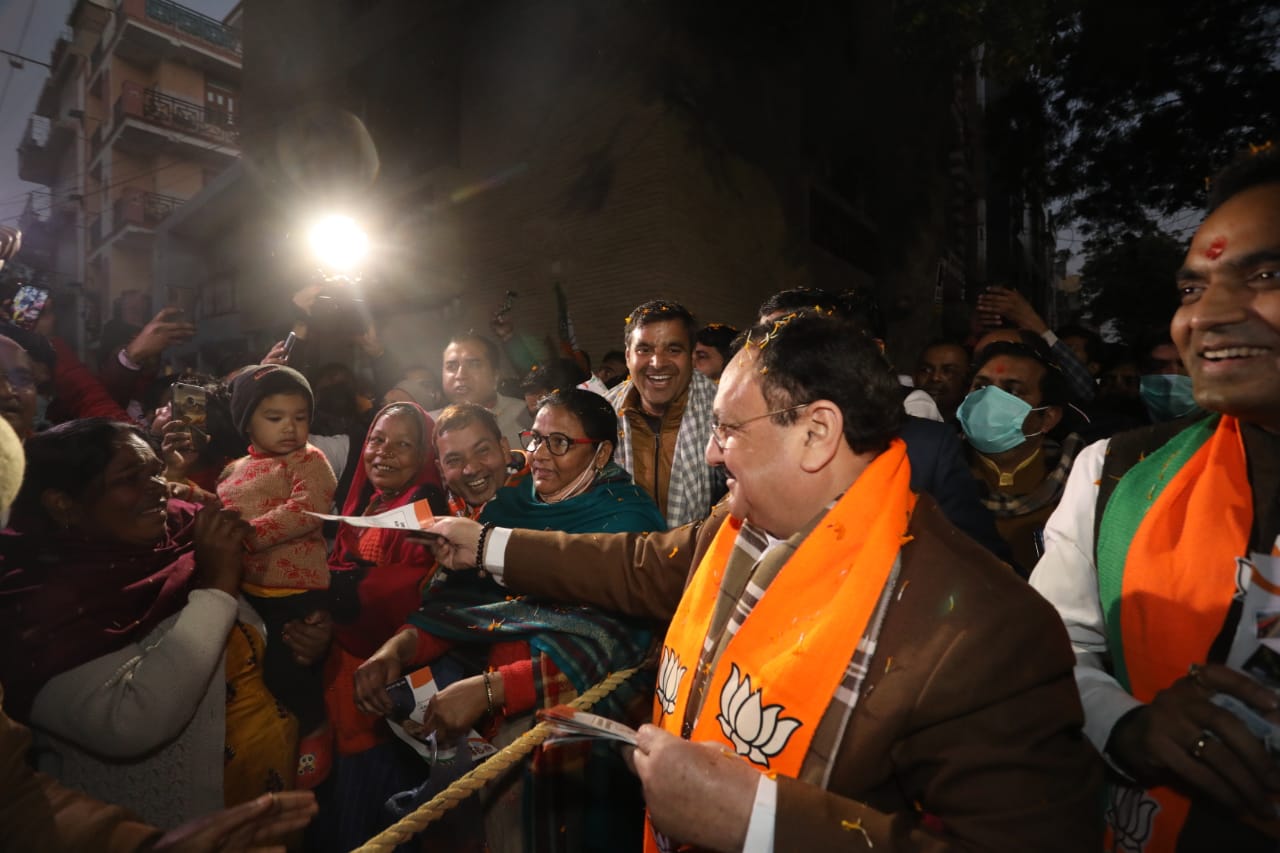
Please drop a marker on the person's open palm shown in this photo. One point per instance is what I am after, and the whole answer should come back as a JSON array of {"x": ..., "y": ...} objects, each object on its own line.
[{"x": 248, "y": 826}]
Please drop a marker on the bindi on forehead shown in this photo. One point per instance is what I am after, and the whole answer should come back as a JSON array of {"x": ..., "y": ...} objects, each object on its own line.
[
  {"x": 1216, "y": 248},
  {"x": 999, "y": 369}
]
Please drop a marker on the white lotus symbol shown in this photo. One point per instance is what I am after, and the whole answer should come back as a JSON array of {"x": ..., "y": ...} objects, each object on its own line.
[
  {"x": 1131, "y": 814},
  {"x": 670, "y": 674},
  {"x": 756, "y": 731}
]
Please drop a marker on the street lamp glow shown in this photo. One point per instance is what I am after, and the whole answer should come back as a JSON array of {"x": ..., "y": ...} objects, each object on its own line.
[{"x": 339, "y": 243}]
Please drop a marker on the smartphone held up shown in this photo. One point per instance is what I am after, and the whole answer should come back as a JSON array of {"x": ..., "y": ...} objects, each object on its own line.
[{"x": 191, "y": 407}]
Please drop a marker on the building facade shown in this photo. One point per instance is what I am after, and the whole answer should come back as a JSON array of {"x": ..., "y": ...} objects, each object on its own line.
[{"x": 141, "y": 110}]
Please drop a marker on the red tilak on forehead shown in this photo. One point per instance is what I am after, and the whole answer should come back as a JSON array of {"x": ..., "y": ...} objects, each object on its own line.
[
  {"x": 999, "y": 368},
  {"x": 1216, "y": 248}
]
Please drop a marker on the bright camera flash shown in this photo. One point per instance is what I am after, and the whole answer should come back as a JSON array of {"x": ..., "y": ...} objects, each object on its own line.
[{"x": 338, "y": 242}]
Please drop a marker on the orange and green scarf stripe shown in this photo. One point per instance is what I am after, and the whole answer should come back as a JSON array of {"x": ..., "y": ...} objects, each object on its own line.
[
  {"x": 1166, "y": 557},
  {"x": 1167, "y": 546}
]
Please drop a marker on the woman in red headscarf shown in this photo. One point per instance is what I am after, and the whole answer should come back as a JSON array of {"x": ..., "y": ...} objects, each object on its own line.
[{"x": 377, "y": 576}]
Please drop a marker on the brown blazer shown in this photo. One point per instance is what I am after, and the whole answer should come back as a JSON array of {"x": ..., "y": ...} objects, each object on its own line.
[
  {"x": 969, "y": 713},
  {"x": 37, "y": 813}
]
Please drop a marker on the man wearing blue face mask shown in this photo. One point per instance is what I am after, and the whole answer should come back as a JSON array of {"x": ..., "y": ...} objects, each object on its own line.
[
  {"x": 1164, "y": 386},
  {"x": 1018, "y": 397}
]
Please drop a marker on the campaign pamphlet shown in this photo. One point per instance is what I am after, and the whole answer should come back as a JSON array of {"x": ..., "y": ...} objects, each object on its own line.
[
  {"x": 1255, "y": 649},
  {"x": 414, "y": 516},
  {"x": 411, "y": 696},
  {"x": 569, "y": 724}
]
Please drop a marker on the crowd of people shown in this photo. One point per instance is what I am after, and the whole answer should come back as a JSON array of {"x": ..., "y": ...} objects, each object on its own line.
[{"x": 1021, "y": 596}]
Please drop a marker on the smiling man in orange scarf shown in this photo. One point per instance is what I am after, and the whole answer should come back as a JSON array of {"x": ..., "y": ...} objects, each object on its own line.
[
  {"x": 842, "y": 669},
  {"x": 1164, "y": 544}
]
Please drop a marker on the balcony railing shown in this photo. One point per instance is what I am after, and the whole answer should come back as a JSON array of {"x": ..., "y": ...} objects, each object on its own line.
[
  {"x": 143, "y": 209},
  {"x": 37, "y": 135},
  {"x": 41, "y": 148},
  {"x": 188, "y": 21},
  {"x": 176, "y": 114}
]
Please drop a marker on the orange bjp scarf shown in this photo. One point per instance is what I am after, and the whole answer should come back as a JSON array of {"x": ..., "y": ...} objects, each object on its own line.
[
  {"x": 780, "y": 671},
  {"x": 1167, "y": 548}
]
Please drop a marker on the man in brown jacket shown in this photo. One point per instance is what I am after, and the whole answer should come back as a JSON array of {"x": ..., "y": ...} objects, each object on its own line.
[{"x": 881, "y": 681}]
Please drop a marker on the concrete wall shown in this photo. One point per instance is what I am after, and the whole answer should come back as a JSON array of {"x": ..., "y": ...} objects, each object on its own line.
[
  {"x": 181, "y": 81},
  {"x": 130, "y": 269}
]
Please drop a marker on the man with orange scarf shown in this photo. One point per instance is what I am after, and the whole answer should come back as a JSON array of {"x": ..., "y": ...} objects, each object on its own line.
[
  {"x": 843, "y": 669},
  {"x": 1164, "y": 542}
]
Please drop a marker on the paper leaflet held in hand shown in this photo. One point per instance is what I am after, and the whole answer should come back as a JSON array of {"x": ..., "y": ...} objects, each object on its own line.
[
  {"x": 410, "y": 695},
  {"x": 414, "y": 516},
  {"x": 1255, "y": 650},
  {"x": 569, "y": 724}
]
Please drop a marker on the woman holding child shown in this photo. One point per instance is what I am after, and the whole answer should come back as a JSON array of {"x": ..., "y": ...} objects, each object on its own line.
[{"x": 117, "y": 605}]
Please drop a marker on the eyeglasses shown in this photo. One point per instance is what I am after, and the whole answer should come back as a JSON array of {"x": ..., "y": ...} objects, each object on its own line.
[
  {"x": 720, "y": 432},
  {"x": 557, "y": 442}
]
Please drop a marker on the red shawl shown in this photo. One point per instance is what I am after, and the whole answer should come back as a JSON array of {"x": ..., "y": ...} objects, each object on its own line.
[
  {"x": 66, "y": 600},
  {"x": 391, "y": 588}
]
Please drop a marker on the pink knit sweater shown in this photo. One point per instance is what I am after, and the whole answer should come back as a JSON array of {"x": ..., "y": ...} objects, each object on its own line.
[{"x": 274, "y": 493}]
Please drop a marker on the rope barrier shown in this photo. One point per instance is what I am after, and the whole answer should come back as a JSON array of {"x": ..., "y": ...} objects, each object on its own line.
[{"x": 472, "y": 782}]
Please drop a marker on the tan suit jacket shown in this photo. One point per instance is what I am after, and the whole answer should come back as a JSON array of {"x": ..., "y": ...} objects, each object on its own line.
[{"x": 969, "y": 713}]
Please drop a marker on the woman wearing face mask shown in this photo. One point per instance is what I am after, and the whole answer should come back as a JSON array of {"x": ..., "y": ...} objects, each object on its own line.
[
  {"x": 499, "y": 658},
  {"x": 1016, "y": 399}
]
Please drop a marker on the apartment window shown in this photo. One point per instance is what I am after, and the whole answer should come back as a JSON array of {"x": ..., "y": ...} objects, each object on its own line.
[
  {"x": 218, "y": 297},
  {"x": 220, "y": 105}
]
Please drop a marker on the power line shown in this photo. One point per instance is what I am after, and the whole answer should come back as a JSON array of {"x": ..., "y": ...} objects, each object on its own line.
[
  {"x": 145, "y": 173},
  {"x": 30, "y": 59},
  {"x": 78, "y": 179}
]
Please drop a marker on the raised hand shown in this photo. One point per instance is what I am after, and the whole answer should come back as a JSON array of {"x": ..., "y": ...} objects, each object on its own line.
[
  {"x": 168, "y": 328},
  {"x": 453, "y": 541},
  {"x": 997, "y": 302},
  {"x": 277, "y": 355},
  {"x": 219, "y": 539},
  {"x": 177, "y": 450}
]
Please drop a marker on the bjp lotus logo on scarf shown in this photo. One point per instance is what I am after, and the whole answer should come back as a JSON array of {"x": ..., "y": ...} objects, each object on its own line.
[
  {"x": 670, "y": 674},
  {"x": 756, "y": 730},
  {"x": 1131, "y": 815}
]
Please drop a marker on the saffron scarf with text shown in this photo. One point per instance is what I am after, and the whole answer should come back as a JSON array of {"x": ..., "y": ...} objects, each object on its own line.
[{"x": 781, "y": 668}]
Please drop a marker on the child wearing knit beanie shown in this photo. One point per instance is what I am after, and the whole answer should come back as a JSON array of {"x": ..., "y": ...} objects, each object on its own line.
[{"x": 286, "y": 570}]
